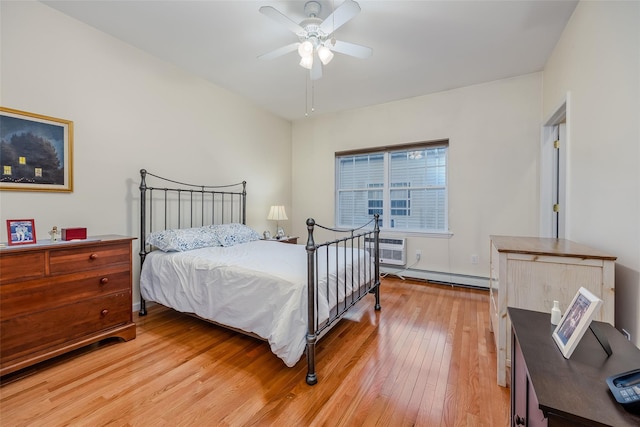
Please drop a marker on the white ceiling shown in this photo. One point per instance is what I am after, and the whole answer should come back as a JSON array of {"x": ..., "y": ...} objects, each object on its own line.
[{"x": 419, "y": 47}]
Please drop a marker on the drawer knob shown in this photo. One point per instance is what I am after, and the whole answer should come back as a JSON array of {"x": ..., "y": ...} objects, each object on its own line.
[
  {"x": 518, "y": 420},
  {"x": 93, "y": 256},
  {"x": 104, "y": 280},
  {"x": 104, "y": 312}
]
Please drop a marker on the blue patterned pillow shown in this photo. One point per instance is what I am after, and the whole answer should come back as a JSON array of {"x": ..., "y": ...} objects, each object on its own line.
[
  {"x": 233, "y": 234},
  {"x": 184, "y": 239}
]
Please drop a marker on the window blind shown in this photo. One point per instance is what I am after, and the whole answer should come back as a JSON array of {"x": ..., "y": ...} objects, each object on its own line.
[{"x": 407, "y": 187}]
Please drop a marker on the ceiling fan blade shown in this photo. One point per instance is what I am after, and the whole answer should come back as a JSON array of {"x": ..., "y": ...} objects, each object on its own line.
[
  {"x": 280, "y": 51},
  {"x": 345, "y": 12},
  {"x": 316, "y": 68},
  {"x": 350, "y": 49},
  {"x": 276, "y": 15}
]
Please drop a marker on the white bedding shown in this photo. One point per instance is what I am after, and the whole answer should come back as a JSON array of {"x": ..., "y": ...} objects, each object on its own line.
[{"x": 259, "y": 287}]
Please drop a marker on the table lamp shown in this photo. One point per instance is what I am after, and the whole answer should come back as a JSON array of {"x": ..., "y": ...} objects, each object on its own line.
[{"x": 277, "y": 213}]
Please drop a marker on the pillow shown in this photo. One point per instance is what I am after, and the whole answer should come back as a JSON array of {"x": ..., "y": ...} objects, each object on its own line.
[
  {"x": 233, "y": 234},
  {"x": 184, "y": 239}
]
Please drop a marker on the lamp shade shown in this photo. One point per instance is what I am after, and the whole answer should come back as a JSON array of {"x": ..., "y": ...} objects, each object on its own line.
[
  {"x": 305, "y": 49},
  {"x": 307, "y": 62},
  {"x": 325, "y": 54},
  {"x": 277, "y": 213}
]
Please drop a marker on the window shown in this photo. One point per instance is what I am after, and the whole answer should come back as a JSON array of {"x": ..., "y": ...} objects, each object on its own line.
[{"x": 406, "y": 186}]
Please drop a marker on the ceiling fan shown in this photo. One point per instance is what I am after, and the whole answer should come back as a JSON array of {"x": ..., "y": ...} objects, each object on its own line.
[{"x": 316, "y": 42}]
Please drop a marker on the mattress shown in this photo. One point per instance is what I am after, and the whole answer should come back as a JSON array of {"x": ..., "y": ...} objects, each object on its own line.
[{"x": 258, "y": 287}]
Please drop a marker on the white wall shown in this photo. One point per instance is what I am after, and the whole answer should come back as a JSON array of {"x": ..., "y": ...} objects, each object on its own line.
[
  {"x": 597, "y": 60},
  {"x": 130, "y": 111},
  {"x": 494, "y": 135}
]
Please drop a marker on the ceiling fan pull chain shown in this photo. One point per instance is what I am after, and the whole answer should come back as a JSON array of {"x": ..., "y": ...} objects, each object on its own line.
[
  {"x": 309, "y": 82},
  {"x": 306, "y": 96}
]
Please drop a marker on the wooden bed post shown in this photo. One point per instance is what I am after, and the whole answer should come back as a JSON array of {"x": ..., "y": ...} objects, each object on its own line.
[
  {"x": 143, "y": 232},
  {"x": 312, "y": 336}
]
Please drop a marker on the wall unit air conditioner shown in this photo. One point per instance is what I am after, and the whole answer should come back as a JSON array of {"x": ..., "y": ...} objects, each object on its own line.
[{"x": 392, "y": 251}]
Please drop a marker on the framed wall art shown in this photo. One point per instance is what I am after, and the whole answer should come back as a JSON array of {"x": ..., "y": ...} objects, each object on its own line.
[
  {"x": 576, "y": 321},
  {"x": 36, "y": 152},
  {"x": 21, "y": 231}
]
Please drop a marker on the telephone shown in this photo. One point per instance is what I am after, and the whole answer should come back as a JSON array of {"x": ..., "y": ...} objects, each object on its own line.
[{"x": 625, "y": 387}]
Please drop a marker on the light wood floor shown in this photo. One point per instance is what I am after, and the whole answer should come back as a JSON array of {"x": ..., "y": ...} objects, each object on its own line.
[{"x": 426, "y": 359}]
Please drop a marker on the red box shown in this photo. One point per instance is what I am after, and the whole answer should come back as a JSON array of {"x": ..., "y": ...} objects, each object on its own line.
[{"x": 74, "y": 233}]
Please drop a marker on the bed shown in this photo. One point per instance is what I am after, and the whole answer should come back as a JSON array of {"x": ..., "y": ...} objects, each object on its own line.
[{"x": 199, "y": 257}]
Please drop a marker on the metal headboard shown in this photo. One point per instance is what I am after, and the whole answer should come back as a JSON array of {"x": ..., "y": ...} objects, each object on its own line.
[{"x": 170, "y": 204}]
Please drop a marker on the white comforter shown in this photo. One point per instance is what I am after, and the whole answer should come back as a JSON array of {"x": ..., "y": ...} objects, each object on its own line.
[{"x": 258, "y": 287}]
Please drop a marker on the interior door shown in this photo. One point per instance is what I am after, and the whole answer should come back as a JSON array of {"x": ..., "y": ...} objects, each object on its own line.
[
  {"x": 558, "y": 208},
  {"x": 553, "y": 207}
]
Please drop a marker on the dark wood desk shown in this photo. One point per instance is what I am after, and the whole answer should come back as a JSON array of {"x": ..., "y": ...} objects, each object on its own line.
[{"x": 547, "y": 389}]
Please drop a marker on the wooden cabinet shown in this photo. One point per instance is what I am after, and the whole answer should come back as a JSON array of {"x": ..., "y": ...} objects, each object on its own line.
[
  {"x": 549, "y": 390},
  {"x": 532, "y": 272},
  {"x": 61, "y": 296}
]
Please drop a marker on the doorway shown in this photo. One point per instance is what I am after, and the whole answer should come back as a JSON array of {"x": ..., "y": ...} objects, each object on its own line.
[{"x": 553, "y": 174}]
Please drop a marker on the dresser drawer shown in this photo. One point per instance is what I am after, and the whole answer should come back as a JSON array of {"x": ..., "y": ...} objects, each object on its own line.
[
  {"x": 21, "y": 266},
  {"x": 39, "y": 331},
  {"x": 87, "y": 258},
  {"x": 21, "y": 298}
]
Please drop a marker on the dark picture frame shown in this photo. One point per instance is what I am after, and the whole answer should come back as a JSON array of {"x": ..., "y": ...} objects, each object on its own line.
[
  {"x": 21, "y": 231},
  {"x": 576, "y": 321},
  {"x": 36, "y": 152}
]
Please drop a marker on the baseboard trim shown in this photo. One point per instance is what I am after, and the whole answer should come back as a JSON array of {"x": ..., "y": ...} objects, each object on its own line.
[{"x": 438, "y": 277}]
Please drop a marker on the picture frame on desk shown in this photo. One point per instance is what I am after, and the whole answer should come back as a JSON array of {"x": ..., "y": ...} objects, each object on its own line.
[
  {"x": 576, "y": 321},
  {"x": 21, "y": 231},
  {"x": 37, "y": 152}
]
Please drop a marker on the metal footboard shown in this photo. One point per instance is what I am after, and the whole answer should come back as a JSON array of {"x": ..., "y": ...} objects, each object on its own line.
[{"x": 361, "y": 277}]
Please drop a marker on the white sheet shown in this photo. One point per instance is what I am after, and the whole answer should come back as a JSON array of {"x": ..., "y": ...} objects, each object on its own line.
[{"x": 259, "y": 287}]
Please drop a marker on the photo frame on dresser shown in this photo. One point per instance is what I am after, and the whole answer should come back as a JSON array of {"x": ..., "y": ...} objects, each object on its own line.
[
  {"x": 576, "y": 321},
  {"x": 21, "y": 231},
  {"x": 37, "y": 152}
]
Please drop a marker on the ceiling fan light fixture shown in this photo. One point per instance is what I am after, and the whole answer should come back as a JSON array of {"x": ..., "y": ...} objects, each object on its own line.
[
  {"x": 306, "y": 62},
  {"x": 316, "y": 40},
  {"x": 325, "y": 54},
  {"x": 305, "y": 49}
]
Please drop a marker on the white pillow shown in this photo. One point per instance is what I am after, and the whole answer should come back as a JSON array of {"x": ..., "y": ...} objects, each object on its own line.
[
  {"x": 184, "y": 239},
  {"x": 233, "y": 234}
]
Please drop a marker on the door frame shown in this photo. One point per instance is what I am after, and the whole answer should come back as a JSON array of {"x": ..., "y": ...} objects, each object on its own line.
[{"x": 560, "y": 115}]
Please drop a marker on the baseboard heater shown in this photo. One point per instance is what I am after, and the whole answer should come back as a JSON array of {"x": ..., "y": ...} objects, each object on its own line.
[
  {"x": 439, "y": 277},
  {"x": 392, "y": 251}
]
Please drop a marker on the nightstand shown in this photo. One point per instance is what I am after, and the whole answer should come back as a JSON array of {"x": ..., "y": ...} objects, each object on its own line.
[{"x": 287, "y": 239}]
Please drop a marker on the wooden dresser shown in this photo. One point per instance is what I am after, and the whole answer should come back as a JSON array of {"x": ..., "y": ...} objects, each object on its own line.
[
  {"x": 57, "y": 297},
  {"x": 548, "y": 390},
  {"x": 532, "y": 272}
]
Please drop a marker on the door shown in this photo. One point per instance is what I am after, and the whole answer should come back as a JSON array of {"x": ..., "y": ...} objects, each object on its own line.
[
  {"x": 558, "y": 209},
  {"x": 553, "y": 174}
]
